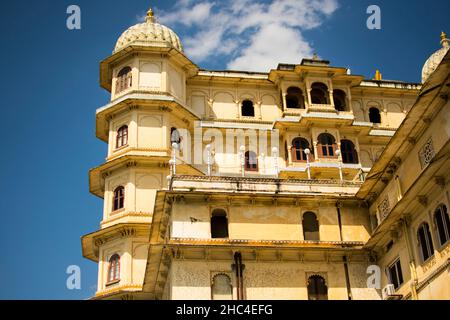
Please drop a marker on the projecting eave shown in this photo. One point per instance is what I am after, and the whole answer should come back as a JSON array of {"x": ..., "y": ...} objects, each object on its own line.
[
  {"x": 90, "y": 242},
  {"x": 387, "y": 87},
  {"x": 411, "y": 127},
  {"x": 337, "y": 73},
  {"x": 141, "y": 100},
  {"x": 231, "y": 76},
  {"x": 106, "y": 66},
  {"x": 344, "y": 119},
  {"x": 97, "y": 175}
]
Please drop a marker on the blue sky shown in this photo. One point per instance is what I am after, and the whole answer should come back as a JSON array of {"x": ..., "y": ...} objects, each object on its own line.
[{"x": 50, "y": 92}]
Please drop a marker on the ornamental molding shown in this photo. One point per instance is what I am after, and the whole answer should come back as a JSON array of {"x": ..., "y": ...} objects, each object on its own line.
[
  {"x": 423, "y": 200},
  {"x": 126, "y": 214},
  {"x": 384, "y": 208},
  {"x": 127, "y": 232},
  {"x": 440, "y": 181},
  {"x": 426, "y": 153},
  {"x": 118, "y": 289}
]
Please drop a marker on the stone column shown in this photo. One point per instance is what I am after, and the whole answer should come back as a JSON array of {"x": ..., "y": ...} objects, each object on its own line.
[
  {"x": 258, "y": 112},
  {"x": 330, "y": 92},
  {"x": 309, "y": 98}
]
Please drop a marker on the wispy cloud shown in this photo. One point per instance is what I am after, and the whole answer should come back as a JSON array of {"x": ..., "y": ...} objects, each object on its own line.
[{"x": 252, "y": 35}]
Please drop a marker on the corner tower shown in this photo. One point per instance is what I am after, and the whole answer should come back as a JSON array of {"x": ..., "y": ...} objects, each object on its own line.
[{"x": 146, "y": 76}]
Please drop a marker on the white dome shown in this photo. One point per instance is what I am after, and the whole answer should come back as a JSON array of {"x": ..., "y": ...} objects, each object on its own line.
[
  {"x": 150, "y": 34},
  {"x": 436, "y": 58}
]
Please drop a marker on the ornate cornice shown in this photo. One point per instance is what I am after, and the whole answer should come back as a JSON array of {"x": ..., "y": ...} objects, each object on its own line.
[
  {"x": 126, "y": 214},
  {"x": 119, "y": 289}
]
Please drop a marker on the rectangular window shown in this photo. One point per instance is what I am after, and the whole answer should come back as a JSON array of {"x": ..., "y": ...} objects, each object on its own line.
[{"x": 395, "y": 274}]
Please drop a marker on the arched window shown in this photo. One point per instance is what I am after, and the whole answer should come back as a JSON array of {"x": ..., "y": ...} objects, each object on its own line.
[
  {"x": 299, "y": 145},
  {"x": 124, "y": 79},
  {"x": 251, "y": 161},
  {"x": 221, "y": 288},
  {"x": 219, "y": 224},
  {"x": 374, "y": 115},
  {"x": 317, "y": 288},
  {"x": 122, "y": 137},
  {"x": 348, "y": 151},
  {"x": 310, "y": 227},
  {"x": 175, "y": 136},
  {"x": 119, "y": 198},
  {"x": 425, "y": 241},
  {"x": 295, "y": 99},
  {"x": 319, "y": 93},
  {"x": 340, "y": 100},
  {"x": 326, "y": 146},
  {"x": 442, "y": 224},
  {"x": 248, "y": 110},
  {"x": 114, "y": 268}
]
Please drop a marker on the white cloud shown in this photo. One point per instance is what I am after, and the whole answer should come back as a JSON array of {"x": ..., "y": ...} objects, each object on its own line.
[
  {"x": 251, "y": 35},
  {"x": 271, "y": 45}
]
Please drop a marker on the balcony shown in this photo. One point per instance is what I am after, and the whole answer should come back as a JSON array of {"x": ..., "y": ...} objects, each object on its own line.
[
  {"x": 320, "y": 167},
  {"x": 261, "y": 186},
  {"x": 321, "y": 108}
]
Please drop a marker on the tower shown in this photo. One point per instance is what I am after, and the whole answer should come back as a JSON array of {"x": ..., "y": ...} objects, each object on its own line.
[{"x": 146, "y": 76}]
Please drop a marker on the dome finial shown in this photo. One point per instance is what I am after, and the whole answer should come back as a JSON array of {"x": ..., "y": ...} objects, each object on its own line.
[
  {"x": 444, "y": 40},
  {"x": 150, "y": 18}
]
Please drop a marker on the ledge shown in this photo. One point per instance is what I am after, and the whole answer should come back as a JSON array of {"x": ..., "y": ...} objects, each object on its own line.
[
  {"x": 265, "y": 243},
  {"x": 118, "y": 290}
]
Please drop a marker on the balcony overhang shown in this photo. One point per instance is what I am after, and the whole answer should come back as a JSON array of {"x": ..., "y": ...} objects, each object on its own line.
[
  {"x": 323, "y": 169},
  {"x": 231, "y": 77},
  {"x": 97, "y": 175},
  {"x": 263, "y": 244},
  {"x": 264, "y": 187},
  {"x": 156, "y": 101},
  {"x": 312, "y": 69},
  {"x": 316, "y": 118},
  {"x": 90, "y": 242}
]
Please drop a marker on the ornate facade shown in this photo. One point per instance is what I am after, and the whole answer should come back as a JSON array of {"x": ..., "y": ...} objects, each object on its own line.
[{"x": 281, "y": 185}]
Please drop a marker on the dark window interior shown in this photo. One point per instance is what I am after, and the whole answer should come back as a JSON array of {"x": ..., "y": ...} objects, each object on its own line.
[
  {"x": 310, "y": 227},
  {"x": 319, "y": 93},
  {"x": 425, "y": 242},
  {"x": 340, "y": 100},
  {"x": 442, "y": 224},
  {"x": 219, "y": 224},
  {"x": 348, "y": 151},
  {"x": 295, "y": 99},
  {"x": 248, "y": 110},
  {"x": 395, "y": 274},
  {"x": 374, "y": 115},
  {"x": 317, "y": 288}
]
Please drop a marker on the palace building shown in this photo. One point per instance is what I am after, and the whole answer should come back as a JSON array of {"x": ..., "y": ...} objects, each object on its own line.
[{"x": 306, "y": 182}]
